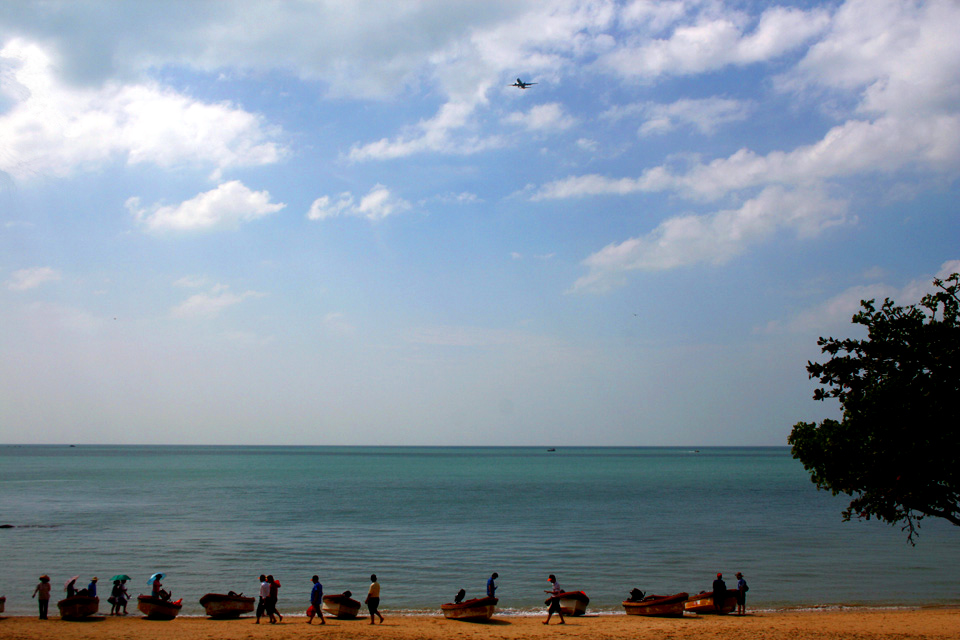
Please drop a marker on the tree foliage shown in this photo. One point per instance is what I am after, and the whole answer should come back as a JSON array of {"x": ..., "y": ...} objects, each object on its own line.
[{"x": 895, "y": 450}]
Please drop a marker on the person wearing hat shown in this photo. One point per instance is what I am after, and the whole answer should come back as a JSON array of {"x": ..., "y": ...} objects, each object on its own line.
[
  {"x": 719, "y": 592},
  {"x": 43, "y": 590},
  {"x": 742, "y": 589},
  {"x": 92, "y": 587}
]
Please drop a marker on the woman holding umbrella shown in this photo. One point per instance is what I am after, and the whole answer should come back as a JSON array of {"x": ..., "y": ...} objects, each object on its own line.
[
  {"x": 158, "y": 590},
  {"x": 118, "y": 594}
]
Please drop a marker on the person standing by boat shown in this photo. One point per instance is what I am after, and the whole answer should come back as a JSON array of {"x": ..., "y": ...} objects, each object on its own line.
[
  {"x": 316, "y": 600},
  {"x": 373, "y": 598},
  {"x": 264, "y": 597},
  {"x": 719, "y": 592},
  {"x": 71, "y": 588},
  {"x": 43, "y": 591},
  {"x": 92, "y": 587},
  {"x": 742, "y": 589},
  {"x": 554, "y": 600},
  {"x": 123, "y": 598},
  {"x": 492, "y": 585},
  {"x": 272, "y": 600}
]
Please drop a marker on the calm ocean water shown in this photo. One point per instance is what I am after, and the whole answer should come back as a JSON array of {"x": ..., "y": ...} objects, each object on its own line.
[{"x": 429, "y": 521}]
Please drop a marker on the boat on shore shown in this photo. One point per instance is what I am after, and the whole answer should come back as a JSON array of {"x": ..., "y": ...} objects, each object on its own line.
[
  {"x": 3, "y": 603},
  {"x": 157, "y": 609},
  {"x": 226, "y": 605},
  {"x": 704, "y": 603},
  {"x": 341, "y": 605},
  {"x": 653, "y": 605},
  {"x": 77, "y": 607},
  {"x": 572, "y": 603},
  {"x": 474, "y": 609}
]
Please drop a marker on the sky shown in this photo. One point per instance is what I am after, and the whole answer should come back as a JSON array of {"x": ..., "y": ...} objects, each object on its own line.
[{"x": 337, "y": 223}]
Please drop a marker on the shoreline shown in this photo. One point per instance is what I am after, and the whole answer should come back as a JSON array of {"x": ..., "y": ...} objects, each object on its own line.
[{"x": 931, "y": 622}]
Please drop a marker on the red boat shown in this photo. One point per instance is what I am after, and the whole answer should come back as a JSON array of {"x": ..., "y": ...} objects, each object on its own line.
[
  {"x": 572, "y": 603},
  {"x": 77, "y": 607},
  {"x": 157, "y": 609},
  {"x": 703, "y": 602},
  {"x": 663, "y": 606},
  {"x": 475, "y": 609}
]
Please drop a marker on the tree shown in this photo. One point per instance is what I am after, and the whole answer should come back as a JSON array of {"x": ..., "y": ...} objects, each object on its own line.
[{"x": 896, "y": 450}]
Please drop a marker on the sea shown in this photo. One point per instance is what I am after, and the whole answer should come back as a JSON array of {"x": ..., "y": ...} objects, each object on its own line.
[{"x": 429, "y": 521}]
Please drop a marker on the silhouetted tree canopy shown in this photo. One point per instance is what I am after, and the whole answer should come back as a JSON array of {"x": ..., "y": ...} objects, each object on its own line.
[{"x": 895, "y": 451}]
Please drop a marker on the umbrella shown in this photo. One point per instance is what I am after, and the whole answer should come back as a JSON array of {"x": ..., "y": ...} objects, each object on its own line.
[
  {"x": 157, "y": 576},
  {"x": 67, "y": 583},
  {"x": 121, "y": 576}
]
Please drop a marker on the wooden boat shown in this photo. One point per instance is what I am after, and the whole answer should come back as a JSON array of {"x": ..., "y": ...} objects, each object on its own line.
[
  {"x": 3, "y": 603},
  {"x": 703, "y": 602},
  {"x": 78, "y": 607},
  {"x": 664, "y": 606},
  {"x": 157, "y": 609},
  {"x": 572, "y": 603},
  {"x": 341, "y": 605},
  {"x": 229, "y": 605},
  {"x": 474, "y": 609}
]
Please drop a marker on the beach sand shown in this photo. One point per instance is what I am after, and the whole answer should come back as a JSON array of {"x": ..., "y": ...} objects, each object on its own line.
[{"x": 854, "y": 624}]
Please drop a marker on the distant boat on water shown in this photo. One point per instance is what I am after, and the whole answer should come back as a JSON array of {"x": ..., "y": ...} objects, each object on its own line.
[
  {"x": 229, "y": 605},
  {"x": 474, "y": 609},
  {"x": 662, "y": 606}
]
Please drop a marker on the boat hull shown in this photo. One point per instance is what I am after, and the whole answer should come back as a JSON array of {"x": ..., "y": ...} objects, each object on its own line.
[
  {"x": 572, "y": 603},
  {"x": 219, "y": 605},
  {"x": 475, "y": 609},
  {"x": 341, "y": 606},
  {"x": 78, "y": 607},
  {"x": 660, "y": 606},
  {"x": 703, "y": 603},
  {"x": 157, "y": 609},
  {"x": 3, "y": 603}
]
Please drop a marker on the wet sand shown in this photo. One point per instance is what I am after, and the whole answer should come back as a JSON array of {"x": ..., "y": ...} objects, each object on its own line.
[{"x": 931, "y": 623}]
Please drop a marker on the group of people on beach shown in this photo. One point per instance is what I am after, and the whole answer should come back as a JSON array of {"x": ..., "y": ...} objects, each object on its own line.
[{"x": 269, "y": 591}]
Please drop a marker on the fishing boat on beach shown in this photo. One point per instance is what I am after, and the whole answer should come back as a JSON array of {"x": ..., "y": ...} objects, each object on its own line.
[
  {"x": 341, "y": 605},
  {"x": 157, "y": 609},
  {"x": 572, "y": 603},
  {"x": 3, "y": 603},
  {"x": 226, "y": 605},
  {"x": 474, "y": 609},
  {"x": 76, "y": 607},
  {"x": 704, "y": 602},
  {"x": 653, "y": 605}
]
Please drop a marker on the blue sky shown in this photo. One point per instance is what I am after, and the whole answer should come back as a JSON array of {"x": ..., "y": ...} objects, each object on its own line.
[{"x": 337, "y": 223}]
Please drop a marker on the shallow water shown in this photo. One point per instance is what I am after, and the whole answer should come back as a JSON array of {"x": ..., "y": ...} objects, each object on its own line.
[{"x": 429, "y": 521}]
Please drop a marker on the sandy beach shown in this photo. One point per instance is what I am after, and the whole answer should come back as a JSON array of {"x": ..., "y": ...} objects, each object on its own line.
[{"x": 903, "y": 624}]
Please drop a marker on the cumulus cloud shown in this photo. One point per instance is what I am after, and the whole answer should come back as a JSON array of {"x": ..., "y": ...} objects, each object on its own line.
[
  {"x": 55, "y": 129},
  {"x": 715, "y": 41},
  {"x": 210, "y": 304},
  {"x": 25, "y": 279},
  {"x": 226, "y": 207},
  {"x": 376, "y": 205},
  {"x": 713, "y": 239},
  {"x": 705, "y": 115},
  {"x": 543, "y": 117}
]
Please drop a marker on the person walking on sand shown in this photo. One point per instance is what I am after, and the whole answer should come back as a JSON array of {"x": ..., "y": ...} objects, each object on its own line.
[
  {"x": 373, "y": 598},
  {"x": 719, "y": 592},
  {"x": 114, "y": 598},
  {"x": 272, "y": 600},
  {"x": 264, "y": 595},
  {"x": 492, "y": 585},
  {"x": 43, "y": 591},
  {"x": 742, "y": 589},
  {"x": 123, "y": 598},
  {"x": 316, "y": 601},
  {"x": 554, "y": 600}
]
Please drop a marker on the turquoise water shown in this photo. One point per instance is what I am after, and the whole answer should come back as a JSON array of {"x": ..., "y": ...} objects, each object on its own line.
[{"x": 429, "y": 521}]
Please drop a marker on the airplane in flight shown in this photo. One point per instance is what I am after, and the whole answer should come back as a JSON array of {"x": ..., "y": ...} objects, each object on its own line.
[{"x": 522, "y": 85}]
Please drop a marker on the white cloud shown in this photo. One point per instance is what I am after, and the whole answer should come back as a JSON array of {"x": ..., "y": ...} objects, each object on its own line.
[
  {"x": 705, "y": 115},
  {"x": 543, "y": 117},
  {"x": 54, "y": 129},
  {"x": 209, "y": 304},
  {"x": 226, "y": 207},
  {"x": 25, "y": 279},
  {"x": 717, "y": 40},
  {"x": 713, "y": 239},
  {"x": 376, "y": 205}
]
